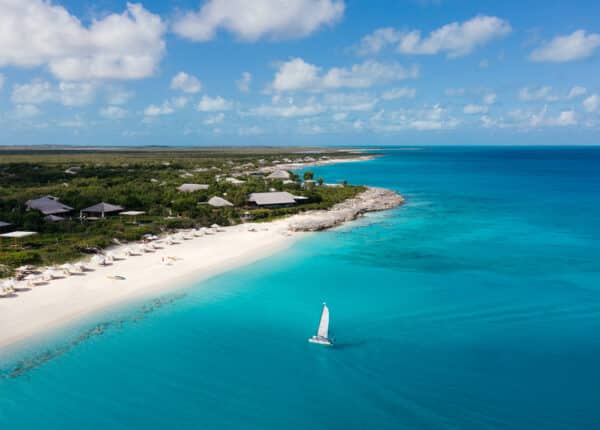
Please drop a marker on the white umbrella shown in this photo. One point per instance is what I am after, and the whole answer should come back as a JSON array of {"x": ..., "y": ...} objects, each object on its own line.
[
  {"x": 99, "y": 260},
  {"x": 80, "y": 267}
]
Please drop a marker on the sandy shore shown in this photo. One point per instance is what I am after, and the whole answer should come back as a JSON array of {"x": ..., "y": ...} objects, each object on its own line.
[{"x": 49, "y": 306}]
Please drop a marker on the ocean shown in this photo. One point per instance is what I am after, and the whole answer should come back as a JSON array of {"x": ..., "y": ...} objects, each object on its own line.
[{"x": 476, "y": 305}]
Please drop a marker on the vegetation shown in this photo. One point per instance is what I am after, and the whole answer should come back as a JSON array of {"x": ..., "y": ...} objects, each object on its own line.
[{"x": 145, "y": 180}]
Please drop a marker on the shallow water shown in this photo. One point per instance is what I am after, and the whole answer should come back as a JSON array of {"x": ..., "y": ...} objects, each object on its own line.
[{"x": 476, "y": 305}]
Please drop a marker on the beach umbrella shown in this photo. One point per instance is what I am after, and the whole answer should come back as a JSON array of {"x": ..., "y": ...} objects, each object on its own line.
[
  {"x": 215, "y": 226},
  {"x": 99, "y": 259}
]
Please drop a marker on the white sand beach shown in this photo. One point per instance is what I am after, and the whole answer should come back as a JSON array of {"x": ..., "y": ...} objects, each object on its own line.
[{"x": 60, "y": 301}]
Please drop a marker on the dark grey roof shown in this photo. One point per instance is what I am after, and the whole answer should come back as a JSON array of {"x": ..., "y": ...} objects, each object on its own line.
[
  {"x": 4, "y": 224},
  {"x": 48, "y": 205},
  {"x": 103, "y": 207},
  {"x": 273, "y": 198}
]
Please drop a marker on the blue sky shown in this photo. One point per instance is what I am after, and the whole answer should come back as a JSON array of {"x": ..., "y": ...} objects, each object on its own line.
[{"x": 299, "y": 72}]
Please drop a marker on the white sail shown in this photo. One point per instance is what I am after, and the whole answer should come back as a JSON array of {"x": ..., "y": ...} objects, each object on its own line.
[{"x": 324, "y": 324}]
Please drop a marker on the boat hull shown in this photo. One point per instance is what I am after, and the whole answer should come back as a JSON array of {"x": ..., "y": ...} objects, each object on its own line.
[{"x": 320, "y": 341}]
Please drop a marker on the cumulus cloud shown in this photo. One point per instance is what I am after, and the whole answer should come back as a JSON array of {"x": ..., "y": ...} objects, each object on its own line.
[
  {"x": 350, "y": 102},
  {"x": 252, "y": 20},
  {"x": 186, "y": 83},
  {"x": 289, "y": 108},
  {"x": 216, "y": 119},
  {"x": 66, "y": 93},
  {"x": 167, "y": 107},
  {"x": 297, "y": 75},
  {"x": 537, "y": 94},
  {"x": 208, "y": 104},
  {"x": 541, "y": 119},
  {"x": 575, "y": 46},
  {"x": 399, "y": 93},
  {"x": 26, "y": 111},
  {"x": 118, "y": 46},
  {"x": 592, "y": 103},
  {"x": 456, "y": 39},
  {"x": 577, "y": 91},
  {"x": 243, "y": 83},
  {"x": 113, "y": 112},
  {"x": 475, "y": 109},
  {"x": 118, "y": 96},
  {"x": 489, "y": 99}
]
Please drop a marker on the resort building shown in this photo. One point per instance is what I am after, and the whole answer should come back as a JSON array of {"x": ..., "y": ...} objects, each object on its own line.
[
  {"x": 219, "y": 202},
  {"x": 276, "y": 199},
  {"x": 4, "y": 225},
  {"x": 234, "y": 181},
  {"x": 190, "y": 188},
  {"x": 279, "y": 174},
  {"x": 48, "y": 205},
  {"x": 101, "y": 209}
]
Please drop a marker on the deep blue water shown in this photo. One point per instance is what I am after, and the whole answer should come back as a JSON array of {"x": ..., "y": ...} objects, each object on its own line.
[{"x": 474, "y": 306}]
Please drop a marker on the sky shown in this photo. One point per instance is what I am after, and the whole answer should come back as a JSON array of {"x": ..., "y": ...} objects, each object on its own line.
[{"x": 299, "y": 72}]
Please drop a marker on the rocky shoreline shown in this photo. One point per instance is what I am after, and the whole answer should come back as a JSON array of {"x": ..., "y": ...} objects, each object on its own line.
[{"x": 373, "y": 199}]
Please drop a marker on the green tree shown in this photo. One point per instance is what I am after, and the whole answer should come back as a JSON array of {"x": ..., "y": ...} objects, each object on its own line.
[
  {"x": 320, "y": 181},
  {"x": 308, "y": 176}
]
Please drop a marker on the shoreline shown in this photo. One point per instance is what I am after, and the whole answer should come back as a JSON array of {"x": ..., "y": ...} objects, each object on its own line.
[{"x": 48, "y": 307}]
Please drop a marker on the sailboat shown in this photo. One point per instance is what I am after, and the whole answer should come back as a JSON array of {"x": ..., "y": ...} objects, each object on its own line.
[{"x": 322, "y": 336}]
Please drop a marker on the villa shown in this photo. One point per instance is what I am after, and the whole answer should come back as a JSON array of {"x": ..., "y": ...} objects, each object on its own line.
[
  {"x": 48, "y": 205},
  {"x": 274, "y": 199},
  {"x": 219, "y": 202},
  {"x": 190, "y": 188}
]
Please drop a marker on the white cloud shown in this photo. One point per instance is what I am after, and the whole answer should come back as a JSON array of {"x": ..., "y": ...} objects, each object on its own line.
[
  {"x": 243, "y": 83},
  {"x": 186, "y": 83},
  {"x": 113, "y": 112},
  {"x": 375, "y": 42},
  {"x": 26, "y": 111},
  {"x": 66, "y": 93},
  {"x": 340, "y": 116},
  {"x": 455, "y": 39},
  {"x": 537, "y": 94},
  {"x": 399, "y": 93},
  {"x": 475, "y": 109},
  {"x": 455, "y": 92},
  {"x": 117, "y": 46},
  {"x": 566, "y": 118},
  {"x": 575, "y": 46},
  {"x": 252, "y": 20},
  {"x": 296, "y": 74},
  {"x": 489, "y": 99},
  {"x": 350, "y": 102},
  {"x": 250, "y": 131},
  {"x": 167, "y": 107},
  {"x": 541, "y": 119},
  {"x": 119, "y": 96},
  {"x": 577, "y": 91},
  {"x": 592, "y": 103},
  {"x": 289, "y": 111},
  {"x": 1, "y": 80},
  {"x": 208, "y": 104},
  {"x": 216, "y": 119}
]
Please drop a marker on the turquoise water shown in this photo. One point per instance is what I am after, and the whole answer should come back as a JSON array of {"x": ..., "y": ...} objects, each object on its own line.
[{"x": 474, "y": 306}]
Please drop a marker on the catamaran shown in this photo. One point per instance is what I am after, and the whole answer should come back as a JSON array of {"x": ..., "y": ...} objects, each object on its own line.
[{"x": 322, "y": 336}]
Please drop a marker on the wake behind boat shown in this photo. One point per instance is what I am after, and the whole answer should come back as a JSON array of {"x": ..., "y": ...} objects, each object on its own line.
[{"x": 322, "y": 336}]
